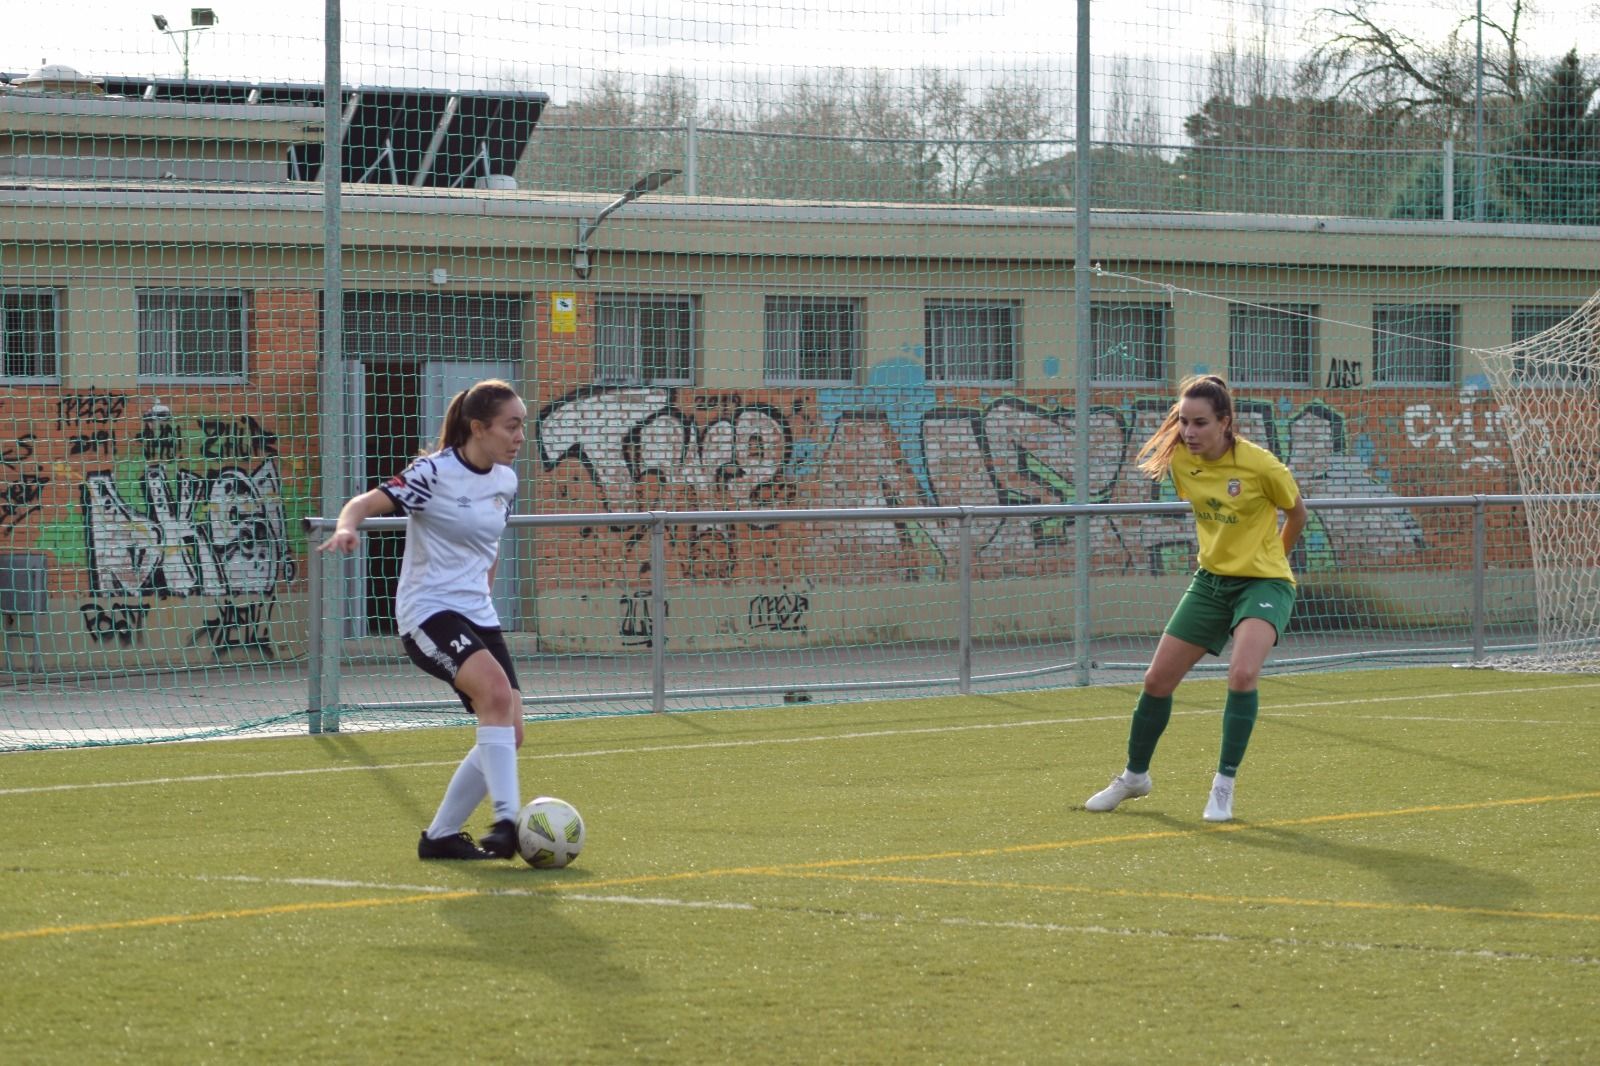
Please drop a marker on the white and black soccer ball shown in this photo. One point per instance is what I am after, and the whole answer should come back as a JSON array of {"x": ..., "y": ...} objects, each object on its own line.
[{"x": 549, "y": 833}]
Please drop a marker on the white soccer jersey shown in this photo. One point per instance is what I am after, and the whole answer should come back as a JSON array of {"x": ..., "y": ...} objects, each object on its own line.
[{"x": 458, "y": 513}]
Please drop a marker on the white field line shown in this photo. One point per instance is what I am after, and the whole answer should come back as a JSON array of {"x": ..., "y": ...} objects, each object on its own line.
[
  {"x": 823, "y": 738},
  {"x": 1052, "y": 928}
]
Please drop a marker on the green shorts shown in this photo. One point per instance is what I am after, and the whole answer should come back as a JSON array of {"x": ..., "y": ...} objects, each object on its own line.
[{"x": 1214, "y": 605}]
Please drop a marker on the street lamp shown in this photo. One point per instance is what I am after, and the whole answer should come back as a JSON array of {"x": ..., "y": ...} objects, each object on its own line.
[
  {"x": 200, "y": 20},
  {"x": 647, "y": 184}
]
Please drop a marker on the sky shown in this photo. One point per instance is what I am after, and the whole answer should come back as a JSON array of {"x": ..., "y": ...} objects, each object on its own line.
[{"x": 559, "y": 47}]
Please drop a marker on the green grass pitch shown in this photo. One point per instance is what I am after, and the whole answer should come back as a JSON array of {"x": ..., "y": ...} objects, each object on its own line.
[{"x": 1414, "y": 877}]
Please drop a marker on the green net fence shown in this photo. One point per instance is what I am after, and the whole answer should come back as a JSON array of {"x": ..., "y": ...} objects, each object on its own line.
[{"x": 765, "y": 258}]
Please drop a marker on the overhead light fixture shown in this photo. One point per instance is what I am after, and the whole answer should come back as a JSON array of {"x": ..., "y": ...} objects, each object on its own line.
[
  {"x": 647, "y": 184},
  {"x": 200, "y": 20}
]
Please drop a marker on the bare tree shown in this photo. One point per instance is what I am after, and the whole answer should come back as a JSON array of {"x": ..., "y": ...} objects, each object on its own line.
[{"x": 1371, "y": 62}]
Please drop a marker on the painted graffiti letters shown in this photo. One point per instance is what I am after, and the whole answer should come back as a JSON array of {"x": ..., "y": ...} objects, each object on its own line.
[
  {"x": 784, "y": 612},
  {"x": 637, "y": 628},
  {"x": 118, "y": 622},
  {"x": 18, "y": 452},
  {"x": 236, "y": 438},
  {"x": 1479, "y": 435},
  {"x": 239, "y": 627},
  {"x": 91, "y": 407},
  {"x": 99, "y": 443},
  {"x": 20, "y": 497},
  {"x": 158, "y": 435},
  {"x": 203, "y": 536},
  {"x": 1344, "y": 374}
]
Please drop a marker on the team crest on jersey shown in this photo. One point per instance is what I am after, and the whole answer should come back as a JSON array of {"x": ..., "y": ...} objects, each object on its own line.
[{"x": 1233, "y": 487}]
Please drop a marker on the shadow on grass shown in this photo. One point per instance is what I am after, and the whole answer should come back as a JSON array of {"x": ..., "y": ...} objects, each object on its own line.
[
  {"x": 405, "y": 799},
  {"x": 1423, "y": 754},
  {"x": 1413, "y": 876},
  {"x": 532, "y": 935}
]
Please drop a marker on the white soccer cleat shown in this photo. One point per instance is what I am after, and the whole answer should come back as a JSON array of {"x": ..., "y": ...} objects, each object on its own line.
[
  {"x": 1219, "y": 807},
  {"x": 1124, "y": 786}
]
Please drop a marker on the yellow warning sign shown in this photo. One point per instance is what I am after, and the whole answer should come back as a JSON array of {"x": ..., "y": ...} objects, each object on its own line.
[{"x": 563, "y": 312}]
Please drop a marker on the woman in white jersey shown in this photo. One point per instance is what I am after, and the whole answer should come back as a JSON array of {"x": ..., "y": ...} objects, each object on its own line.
[
  {"x": 1243, "y": 588},
  {"x": 458, "y": 498}
]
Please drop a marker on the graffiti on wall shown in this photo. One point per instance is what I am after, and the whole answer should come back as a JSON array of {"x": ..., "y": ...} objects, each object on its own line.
[
  {"x": 1474, "y": 433},
  {"x": 656, "y": 448},
  {"x": 168, "y": 506},
  {"x": 216, "y": 532}
]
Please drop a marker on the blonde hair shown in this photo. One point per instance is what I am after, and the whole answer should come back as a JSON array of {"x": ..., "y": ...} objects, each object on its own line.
[
  {"x": 1155, "y": 458},
  {"x": 481, "y": 403}
]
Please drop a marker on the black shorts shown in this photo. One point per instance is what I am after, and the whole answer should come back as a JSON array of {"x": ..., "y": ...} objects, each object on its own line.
[{"x": 445, "y": 640}]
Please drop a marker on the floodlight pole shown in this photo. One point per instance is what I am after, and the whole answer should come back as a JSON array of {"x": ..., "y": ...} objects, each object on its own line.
[
  {"x": 173, "y": 35},
  {"x": 586, "y": 227}
]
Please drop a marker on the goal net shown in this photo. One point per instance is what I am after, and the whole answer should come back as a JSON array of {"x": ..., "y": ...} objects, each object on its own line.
[{"x": 1548, "y": 388}]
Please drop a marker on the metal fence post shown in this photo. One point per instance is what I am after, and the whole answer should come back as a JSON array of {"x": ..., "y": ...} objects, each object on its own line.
[
  {"x": 313, "y": 633},
  {"x": 1449, "y": 179},
  {"x": 1480, "y": 533},
  {"x": 658, "y": 613},
  {"x": 964, "y": 667},
  {"x": 1083, "y": 344},
  {"x": 691, "y": 157}
]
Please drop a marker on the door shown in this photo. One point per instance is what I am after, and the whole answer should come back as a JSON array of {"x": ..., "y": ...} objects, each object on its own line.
[
  {"x": 355, "y": 482},
  {"x": 441, "y": 380}
]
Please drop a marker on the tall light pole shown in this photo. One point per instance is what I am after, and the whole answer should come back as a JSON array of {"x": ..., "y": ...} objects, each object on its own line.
[
  {"x": 649, "y": 183},
  {"x": 200, "y": 20}
]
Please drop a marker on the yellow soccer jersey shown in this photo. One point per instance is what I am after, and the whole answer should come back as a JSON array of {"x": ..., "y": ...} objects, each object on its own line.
[{"x": 1236, "y": 500}]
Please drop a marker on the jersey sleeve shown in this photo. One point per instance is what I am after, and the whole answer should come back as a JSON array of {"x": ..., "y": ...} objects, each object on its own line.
[
  {"x": 412, "y": 489},
  {"x": 1278, "y": 484}
]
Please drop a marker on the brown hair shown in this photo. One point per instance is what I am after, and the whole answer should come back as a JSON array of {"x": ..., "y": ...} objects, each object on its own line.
[
  {"x": 1155, "y": 458},
  {"x": 478, "y": 404}
]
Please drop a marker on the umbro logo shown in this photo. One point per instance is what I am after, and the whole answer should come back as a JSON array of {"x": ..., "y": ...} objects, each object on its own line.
[{"x": 462, "y": 501}]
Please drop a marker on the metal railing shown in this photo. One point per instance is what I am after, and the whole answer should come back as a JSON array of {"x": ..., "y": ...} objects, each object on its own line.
[{"x": 324, "y": 655}]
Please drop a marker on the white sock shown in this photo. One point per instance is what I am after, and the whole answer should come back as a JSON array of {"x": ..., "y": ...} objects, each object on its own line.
[
  {"x": 497, "y": 754},
  {"x": 461, "y": 797},
  {"x": 1222, "y": 781},
  {"x": 1129, "y": 775}
]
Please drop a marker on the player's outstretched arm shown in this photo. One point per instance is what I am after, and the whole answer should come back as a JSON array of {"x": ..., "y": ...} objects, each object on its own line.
[{"x": 346, "y": 535}]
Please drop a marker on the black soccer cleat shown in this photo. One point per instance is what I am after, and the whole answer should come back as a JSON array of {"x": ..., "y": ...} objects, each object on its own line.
[
  {"x": 459, "y": 846},
  {"x": 501, "y": 839}
]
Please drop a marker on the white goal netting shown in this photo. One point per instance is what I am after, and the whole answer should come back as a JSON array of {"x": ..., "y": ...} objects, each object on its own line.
[{"x": 1548, "y": 389}]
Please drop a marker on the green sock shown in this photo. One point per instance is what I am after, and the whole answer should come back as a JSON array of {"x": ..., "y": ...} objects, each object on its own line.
[
  {"x": 1149, "y": 720},
  {"x": 1238, "y": 719}
]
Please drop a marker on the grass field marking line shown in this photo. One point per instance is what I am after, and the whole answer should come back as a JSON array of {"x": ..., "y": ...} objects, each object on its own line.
[
  {"x": 1298, "y": 943},
  {"x": 1276, "y": 707},
  {"x": 649, "y": 749},
  {"x": 665, "y": 901},
  {"x": 1191, "y": 897},
  {"x": 160, "y": 920},
  {"x": 771, "y": 869},
  {"x": 1445, "y": 719},
  {"x": 815, "y": 738}
]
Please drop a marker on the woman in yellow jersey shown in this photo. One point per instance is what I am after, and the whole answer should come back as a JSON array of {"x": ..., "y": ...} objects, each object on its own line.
[{"x": 1243, "y": 588}]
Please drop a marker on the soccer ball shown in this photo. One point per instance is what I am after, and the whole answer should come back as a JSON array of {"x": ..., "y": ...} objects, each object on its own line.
[{"x": 549, "y": 833}]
